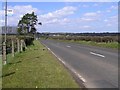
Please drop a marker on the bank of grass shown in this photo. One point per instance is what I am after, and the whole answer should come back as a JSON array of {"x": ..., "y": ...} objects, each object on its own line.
[
  {"x": 112, "y": 45},
  {"x": 36, "y": 68}
]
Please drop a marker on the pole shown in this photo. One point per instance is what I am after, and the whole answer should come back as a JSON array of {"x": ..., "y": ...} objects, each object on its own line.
[
  {"x": 5, "y": 19},
  {"x": 4, "y": 50}
]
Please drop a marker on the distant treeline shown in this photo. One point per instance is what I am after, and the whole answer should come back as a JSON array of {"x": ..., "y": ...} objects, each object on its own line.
[
  {"x": 81, "y": 34},
  {"x": 95, "y": 37}
]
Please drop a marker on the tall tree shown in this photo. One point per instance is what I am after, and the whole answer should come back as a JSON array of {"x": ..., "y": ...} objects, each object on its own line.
[{"x": 27, "y": 24}]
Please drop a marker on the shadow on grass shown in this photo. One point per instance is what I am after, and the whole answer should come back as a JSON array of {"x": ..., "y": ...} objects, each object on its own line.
[
  {"x": 14, "y": 63},
  {"x": 37, "y": 57},
  {"x": 8, "y": 74}
]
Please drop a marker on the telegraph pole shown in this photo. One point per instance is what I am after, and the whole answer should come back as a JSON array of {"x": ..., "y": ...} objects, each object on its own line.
[{"x": 4, "y": 43}]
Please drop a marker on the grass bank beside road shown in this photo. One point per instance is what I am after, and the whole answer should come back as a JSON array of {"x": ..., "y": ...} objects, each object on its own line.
[
  {"x": 36, "y": 68},
  {"x": 112, "y": 45}
]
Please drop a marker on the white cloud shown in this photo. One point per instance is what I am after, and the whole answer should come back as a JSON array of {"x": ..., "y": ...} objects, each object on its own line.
[
  {"x": 90, "y": 14},
  {"x": 112, "y": 8},
  {"x": 85, "y": 6},
  {"x": 111, "y": 21},
  {"x": 95, "y": 5},
  {"x": 24, "y": 9},
  {"x": 87, "y": 19},
  {"x": 98, "y": 12},
  {"x": 109, "y": 11},
  {"x": 109, "y": 25},
  {"x": 1, "y": 13},
  {"x": 58, "y": 21},
  {"x": 114, "y": 17},
  {"x": 86, "y": 27},
  {"x": 18, "y": 12},
  {"x": 58, "y": 15},
  {"x": 105, "y": 20}
]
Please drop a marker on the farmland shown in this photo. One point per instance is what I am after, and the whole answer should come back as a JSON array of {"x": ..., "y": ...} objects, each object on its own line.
[{"x": 108, "y": 40}]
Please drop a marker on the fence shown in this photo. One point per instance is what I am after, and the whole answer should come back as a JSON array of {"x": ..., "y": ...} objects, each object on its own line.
[{"x": 14, "y": 44}]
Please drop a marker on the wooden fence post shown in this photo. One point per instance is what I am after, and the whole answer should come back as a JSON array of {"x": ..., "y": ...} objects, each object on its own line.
[
  {"x": 13, "y": 52},
  {"x": 24, "y": 44},
  {"x": 18, "y": 45},
  {"x": 4, "y": 57},
  {"x": 21, "y": 45}
]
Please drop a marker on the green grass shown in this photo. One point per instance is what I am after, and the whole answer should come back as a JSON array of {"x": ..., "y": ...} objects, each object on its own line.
[
  {"x": 112, "y": 45},
  {"x": 36, "y": 67}
]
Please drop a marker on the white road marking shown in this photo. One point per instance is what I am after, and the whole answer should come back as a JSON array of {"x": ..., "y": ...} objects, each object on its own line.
[
  {"x": 97, "y": 54},
  {"x": 77, "y": 74},
  {"x": 68, "y": 46},
  {"x": 48, "y": 48},
  {"x": 83, "y": 79},
  {"x": 74, "y": 71}
]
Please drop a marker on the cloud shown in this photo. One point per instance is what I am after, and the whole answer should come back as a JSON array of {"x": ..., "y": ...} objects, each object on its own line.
[
  {"x": 23, "y": 9},
  {"x": 58, "y": 21},
  {"x": 109, "y": 25},
  {"x": 85, "y": 6},
  {"x": 114, "y": 17},
  {"x": 105, "y": 20},
  {"x": 1, "y": 13},
  {"x": 18, "y": 12},
  {"x": 109, "y": 11},
  {"x": 111, "y": 21},
  {"x": 95, "y": 5},
  {"x": 113, "y": 7},
  {"x": 86, "y": 27},
  {"x": 58, "y": 15},
  {"x": 87, "y": 19},
  {"x": 90, "y": 14}
]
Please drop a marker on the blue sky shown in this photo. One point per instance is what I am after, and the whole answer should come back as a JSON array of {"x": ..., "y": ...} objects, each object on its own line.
[{"x": 68, "y": 16}]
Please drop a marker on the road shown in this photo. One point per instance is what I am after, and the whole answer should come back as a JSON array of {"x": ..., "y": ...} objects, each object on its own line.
[{"x": 96, "y": 66}]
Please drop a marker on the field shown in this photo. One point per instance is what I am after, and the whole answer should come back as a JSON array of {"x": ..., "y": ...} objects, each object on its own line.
[
  {"x": 112, "y": 45},
  {"x": 100, "y": 41}
]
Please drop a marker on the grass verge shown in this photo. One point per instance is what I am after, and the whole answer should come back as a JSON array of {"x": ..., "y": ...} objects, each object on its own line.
[
  {"x": 112, "y": 45},
  {"x": 36, "y": 68}
]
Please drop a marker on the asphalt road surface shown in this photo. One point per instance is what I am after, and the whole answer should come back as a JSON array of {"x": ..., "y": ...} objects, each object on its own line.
[{"x": 97, "y": 67}]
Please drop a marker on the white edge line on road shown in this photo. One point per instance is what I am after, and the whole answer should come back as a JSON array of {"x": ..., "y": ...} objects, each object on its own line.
[
  {"x": 97, "y": 54},
  {"x": 74, "y": 71},
  {"x": 68, "y": 46}
]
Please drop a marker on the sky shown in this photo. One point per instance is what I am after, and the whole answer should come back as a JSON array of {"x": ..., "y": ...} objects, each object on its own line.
[{"x": 75, "y": 17}]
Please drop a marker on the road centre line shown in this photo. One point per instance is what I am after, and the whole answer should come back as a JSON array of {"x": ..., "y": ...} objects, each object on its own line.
[{"x": 97, "y": 54}]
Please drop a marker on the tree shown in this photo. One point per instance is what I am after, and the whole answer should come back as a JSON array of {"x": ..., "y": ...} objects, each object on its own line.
[{"x": 27, "y": 24}]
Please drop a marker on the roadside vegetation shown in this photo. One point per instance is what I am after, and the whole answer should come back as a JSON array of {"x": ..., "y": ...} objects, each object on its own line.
[
  {"x": 100, "y": 41},
  {"x": 112, "y": 45},
  {"x": 36, "y": 68}
]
